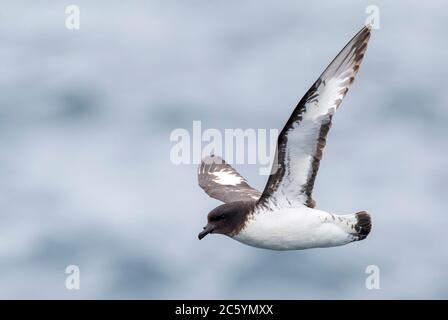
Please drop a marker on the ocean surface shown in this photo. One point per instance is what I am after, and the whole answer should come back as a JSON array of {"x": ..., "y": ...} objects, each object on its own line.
[{"x": 86, "y": 115}]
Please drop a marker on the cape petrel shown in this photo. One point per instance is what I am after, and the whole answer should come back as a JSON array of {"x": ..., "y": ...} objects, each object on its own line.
[{"x": 283, "y": 216}]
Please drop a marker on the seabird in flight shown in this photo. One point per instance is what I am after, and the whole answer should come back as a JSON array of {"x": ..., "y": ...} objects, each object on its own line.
[{"x": 283, "y": 216}]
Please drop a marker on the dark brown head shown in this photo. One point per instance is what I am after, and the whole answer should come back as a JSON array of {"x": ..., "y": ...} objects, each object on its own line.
[{"x": 227, "y": 219}]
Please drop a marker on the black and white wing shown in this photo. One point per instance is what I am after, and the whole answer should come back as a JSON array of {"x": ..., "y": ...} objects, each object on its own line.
[
  {"x": 302, "y": 140},
  {"x": 220, "y": 181}
]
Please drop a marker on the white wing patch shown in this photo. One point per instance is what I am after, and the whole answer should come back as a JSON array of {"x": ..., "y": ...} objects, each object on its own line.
[
  {"x": 220, "y": 181},
  {"x": 227, "y": 178}
]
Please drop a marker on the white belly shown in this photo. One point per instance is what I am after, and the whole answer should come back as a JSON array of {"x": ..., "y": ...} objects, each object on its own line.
[{"x": 296, "y": 228}]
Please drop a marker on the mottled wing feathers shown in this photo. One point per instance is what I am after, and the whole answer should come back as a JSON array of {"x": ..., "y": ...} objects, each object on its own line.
[
  {"x": 220, "y": 181},
  {"x": 302, "y": 140}
]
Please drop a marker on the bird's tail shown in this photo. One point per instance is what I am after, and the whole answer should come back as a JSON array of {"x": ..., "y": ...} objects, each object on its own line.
[{"x": 363, "y": 225}]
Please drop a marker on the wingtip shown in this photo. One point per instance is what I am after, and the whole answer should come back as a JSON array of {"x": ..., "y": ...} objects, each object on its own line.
[
  {"x": 365, "y": 32},
  {"x": 368, "y": 26},
  {"x": 363, "y": 35}
]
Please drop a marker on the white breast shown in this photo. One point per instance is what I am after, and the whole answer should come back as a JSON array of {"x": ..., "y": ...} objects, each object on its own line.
[{"x": 296, "y": 228}]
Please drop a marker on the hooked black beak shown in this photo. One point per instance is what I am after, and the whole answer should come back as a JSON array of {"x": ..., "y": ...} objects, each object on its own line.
[{"x": 207, "y": 229}]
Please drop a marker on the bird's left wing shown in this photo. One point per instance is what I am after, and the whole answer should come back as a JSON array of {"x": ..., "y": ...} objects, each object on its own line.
[
  {"x": 302, "y": 140},
  {"x": 220, "y": 181}
]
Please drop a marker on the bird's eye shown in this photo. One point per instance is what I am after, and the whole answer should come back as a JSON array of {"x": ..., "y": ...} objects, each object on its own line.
[{"x": 220, "y": 217}]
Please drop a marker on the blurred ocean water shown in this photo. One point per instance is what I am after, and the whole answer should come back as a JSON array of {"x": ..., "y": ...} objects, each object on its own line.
[{"x": 85, "y": 119}]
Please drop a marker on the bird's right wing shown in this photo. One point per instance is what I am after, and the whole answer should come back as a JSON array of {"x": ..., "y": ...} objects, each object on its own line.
[{"x": 220, "y": 181}]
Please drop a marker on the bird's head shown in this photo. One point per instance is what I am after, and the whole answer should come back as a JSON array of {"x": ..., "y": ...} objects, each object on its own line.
[{"x": 227, "y": 219}]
